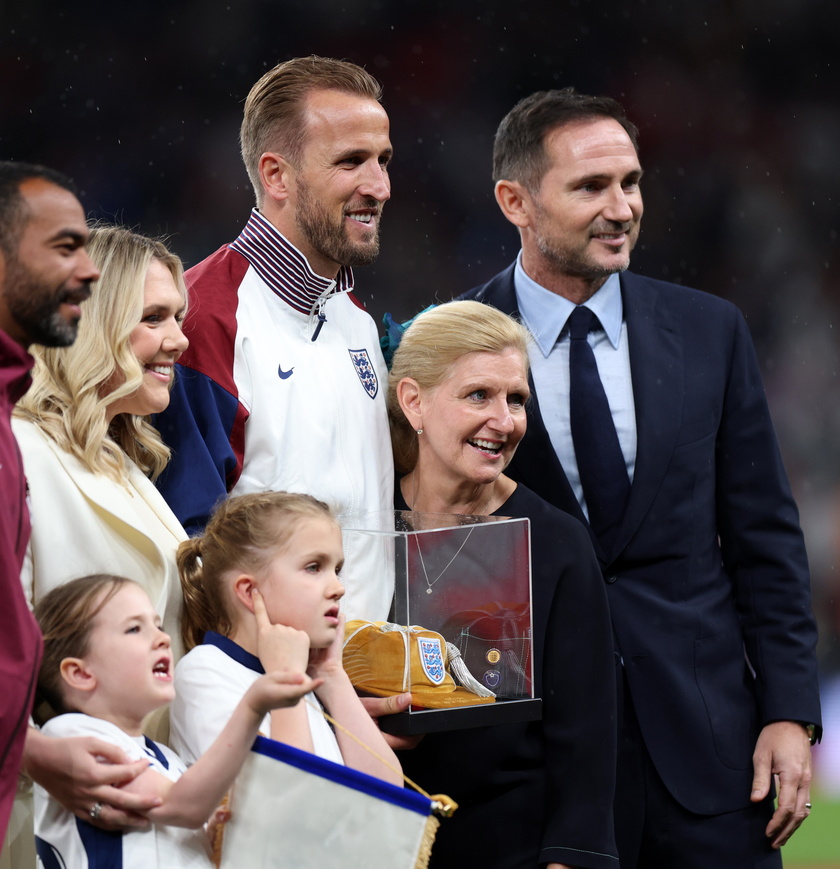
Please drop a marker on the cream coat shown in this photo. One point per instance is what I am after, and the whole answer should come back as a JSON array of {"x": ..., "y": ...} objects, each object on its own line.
[{"x": 85, "y": 523}]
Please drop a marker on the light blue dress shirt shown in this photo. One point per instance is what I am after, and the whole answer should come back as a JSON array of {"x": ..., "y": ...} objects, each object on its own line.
[{"x": 545, "y": 314}]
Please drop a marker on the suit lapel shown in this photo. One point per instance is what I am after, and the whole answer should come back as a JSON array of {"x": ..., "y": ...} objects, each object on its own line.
[
  {"x": 656, "y": 361},
  {"x": 657, "y": 366},
  {"x": 156, "y": 503}
]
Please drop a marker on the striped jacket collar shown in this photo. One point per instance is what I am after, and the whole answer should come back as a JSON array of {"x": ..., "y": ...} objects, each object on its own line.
[{"x": 285, "y": 269}]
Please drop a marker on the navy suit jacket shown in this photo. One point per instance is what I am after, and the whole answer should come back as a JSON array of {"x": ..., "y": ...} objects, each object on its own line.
[{"x": 708, "y": 580}]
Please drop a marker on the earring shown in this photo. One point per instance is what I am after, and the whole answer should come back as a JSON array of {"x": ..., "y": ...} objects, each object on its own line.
[{"x": 419, "y": 431}]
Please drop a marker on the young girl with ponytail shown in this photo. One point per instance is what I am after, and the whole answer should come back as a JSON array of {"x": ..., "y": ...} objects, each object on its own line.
[{"x": 281, "y": 551}]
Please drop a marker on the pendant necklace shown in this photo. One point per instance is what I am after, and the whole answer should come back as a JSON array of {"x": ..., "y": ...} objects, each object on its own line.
[
  {"x": 420, "y": 551},
  {"x": 448, "y": 564}
]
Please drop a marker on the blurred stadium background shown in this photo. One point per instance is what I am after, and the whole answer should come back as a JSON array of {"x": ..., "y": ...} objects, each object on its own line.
[{"x": 740, "y": 137}]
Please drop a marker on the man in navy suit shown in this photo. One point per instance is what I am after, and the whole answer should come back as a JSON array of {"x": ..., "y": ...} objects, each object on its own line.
[{"x": 705, "y": 567}]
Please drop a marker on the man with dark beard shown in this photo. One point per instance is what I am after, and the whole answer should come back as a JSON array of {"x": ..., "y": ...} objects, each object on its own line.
[
  {"x": 283, "y": 383},
  {"x": 45, "y": 274},
  {"x": 650, "y": 424}
]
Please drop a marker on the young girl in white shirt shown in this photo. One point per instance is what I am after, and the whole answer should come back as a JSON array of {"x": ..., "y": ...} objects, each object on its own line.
[
  {"x": 284, "y": 550},
  {"x": 107, "y": 664}
]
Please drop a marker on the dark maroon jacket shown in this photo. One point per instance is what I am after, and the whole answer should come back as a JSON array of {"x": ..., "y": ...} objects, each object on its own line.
[{"x": 20, "y": 639}]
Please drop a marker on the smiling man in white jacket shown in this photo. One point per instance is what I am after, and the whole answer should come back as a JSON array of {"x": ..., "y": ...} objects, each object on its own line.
[{"x": 283, "y": 386}]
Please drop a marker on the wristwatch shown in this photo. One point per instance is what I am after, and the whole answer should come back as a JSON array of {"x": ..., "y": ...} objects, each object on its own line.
[{"x": 811, "y": 730}]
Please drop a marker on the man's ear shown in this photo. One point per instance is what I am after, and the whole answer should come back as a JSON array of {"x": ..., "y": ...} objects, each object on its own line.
[
  {"x": 408, "y": 395},
  {"x": 76, "y": 674},
  {"x": 243, "y": 588},
  {"x": 516, "y": 202},
  {"x": 276, "y": 175}
]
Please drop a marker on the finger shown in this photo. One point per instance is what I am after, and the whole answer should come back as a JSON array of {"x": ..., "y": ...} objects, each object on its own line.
[
  {"x": 117, "y": 773},
  {"x": 786, "y": 801},
  {"x": 376, "y": 707},
  {"x": 290, "y": 695},
  {"x": 106, "y": 752},
  {"x": 777, "y": 830},
  {"x": 788, "y": 828},
  {"x": 803, "y": 802},
  {"x": 311, "y": 684},
  {"x": 786, "y": 820},
  {"x": 397, "y": 703},
  {"x": 123, "y": 801},
  {"x": 298, "y": 683},
  {"x": 260, "y": 612},
  {"x": 760, "y": 782},
  {"x": 115, "y": 819}
]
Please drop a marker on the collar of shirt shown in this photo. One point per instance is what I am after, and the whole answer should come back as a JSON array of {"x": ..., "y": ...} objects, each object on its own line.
[
  {"x": 285, "y": 269},
  {"x": 545, "y": 313},
  {"x": 233, "y": 650}
]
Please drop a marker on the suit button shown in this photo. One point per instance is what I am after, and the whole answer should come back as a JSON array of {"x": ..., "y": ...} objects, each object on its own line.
[{"x": 611, "y": 578}]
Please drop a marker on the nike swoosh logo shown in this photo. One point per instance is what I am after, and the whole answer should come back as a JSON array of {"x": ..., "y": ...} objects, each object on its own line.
[{"x": 284, "y": 375}]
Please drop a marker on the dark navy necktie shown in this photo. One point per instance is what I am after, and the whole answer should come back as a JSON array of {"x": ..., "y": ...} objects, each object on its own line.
[{"x": 603, "y": 471}]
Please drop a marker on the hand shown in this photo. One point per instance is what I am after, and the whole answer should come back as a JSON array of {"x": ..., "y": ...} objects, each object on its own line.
[
  {"x": 279, "y": 647},
  {"x": 376, "y": 707},
  {"x": 327, "y": 662},
  {"x": 277, "y": 690},
  {"x": 82, "y": 771},
  {"x": 783, "y": 750}
]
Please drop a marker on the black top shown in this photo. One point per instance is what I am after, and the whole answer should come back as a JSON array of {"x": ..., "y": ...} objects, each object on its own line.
[{"x": 542, "y": 791}]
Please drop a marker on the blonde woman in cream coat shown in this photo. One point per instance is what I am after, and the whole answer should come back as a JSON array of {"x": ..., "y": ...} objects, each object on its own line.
[{"x": 90, "y": 454}]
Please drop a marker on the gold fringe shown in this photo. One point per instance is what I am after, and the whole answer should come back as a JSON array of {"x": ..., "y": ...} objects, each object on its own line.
[
  {"x": 219, "y": 833},
  {"x": 424, "y": 853}
]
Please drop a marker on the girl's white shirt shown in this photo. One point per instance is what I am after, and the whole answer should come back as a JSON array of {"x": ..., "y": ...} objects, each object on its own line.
[{"x": 209, "y": 683}]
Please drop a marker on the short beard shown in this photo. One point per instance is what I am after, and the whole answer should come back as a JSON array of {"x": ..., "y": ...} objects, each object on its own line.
[
  {"x": 35, "y": 307},
  {"x": 564, "y": 260},
  {"x": 328, "y": 238},
  {"x": 579, "y": 265}
]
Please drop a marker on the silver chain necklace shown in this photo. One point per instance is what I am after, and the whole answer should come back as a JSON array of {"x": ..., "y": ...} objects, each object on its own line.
[{"x": 448, "y": 564}]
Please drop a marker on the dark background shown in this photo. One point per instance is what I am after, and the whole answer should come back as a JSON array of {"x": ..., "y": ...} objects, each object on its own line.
[{"x": 737, "y": 103}]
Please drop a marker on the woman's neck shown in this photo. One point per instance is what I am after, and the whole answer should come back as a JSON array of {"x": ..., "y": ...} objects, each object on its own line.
[{"x": 450, "y": 496}]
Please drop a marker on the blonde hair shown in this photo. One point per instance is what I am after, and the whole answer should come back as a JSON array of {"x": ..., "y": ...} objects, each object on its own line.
[
  {"x": 274, "y": 117},
  {"x": 244, "y": 533},
  {"x": 67, "y": 399},
  {"x": 65, "y": 615},
  {"x": 433, "y": 343}
]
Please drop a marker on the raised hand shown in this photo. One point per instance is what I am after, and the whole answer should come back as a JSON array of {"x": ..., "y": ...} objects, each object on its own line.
[
  {"x": 281, "y": 649},
  {"x": 276, "y": 690}
]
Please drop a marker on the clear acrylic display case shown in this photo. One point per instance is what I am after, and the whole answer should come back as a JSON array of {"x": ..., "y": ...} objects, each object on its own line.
[{"x": 469, "y": 579}]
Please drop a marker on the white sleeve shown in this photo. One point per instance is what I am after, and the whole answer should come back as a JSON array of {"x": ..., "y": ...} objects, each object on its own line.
[
  {"x": 208, "y": 687},
  {"x": 77, "y": 724}
]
